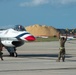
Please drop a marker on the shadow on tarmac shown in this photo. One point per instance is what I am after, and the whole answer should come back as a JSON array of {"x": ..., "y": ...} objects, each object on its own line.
[
  {"x": 38, "y": 55},
  {"x": 41, "y": 55}
]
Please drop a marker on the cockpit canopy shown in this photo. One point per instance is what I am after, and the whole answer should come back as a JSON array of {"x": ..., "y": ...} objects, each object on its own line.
[{"x": 19, "y": 28}]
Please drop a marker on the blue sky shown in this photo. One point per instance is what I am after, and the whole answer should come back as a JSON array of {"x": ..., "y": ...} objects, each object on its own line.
[{"x": 56, "y": 13}]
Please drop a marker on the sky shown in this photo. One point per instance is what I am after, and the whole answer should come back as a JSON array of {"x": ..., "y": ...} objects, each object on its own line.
[{"x": 55, "y": 13}]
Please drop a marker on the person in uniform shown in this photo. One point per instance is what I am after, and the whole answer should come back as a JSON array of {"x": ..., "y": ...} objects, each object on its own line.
[
  {"x": 1, "y": 48},
  {"x": 61, "y": 54}
]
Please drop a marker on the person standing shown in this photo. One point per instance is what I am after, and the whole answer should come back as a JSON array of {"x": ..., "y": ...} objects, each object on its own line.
[
  {"x": 1, "y": 48},
  {"x": 61, "y": 54}
]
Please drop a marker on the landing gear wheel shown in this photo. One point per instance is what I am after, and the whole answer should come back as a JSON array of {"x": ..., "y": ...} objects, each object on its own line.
[
  {"x": 12, "y": 54},
  {"x": 15, "y": 54}
]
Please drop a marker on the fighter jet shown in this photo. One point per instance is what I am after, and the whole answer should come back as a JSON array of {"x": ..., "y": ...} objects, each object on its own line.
[{"x": 15, "y": 37}]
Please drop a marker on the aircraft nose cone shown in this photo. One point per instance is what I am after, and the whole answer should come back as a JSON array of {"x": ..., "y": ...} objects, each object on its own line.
[{"x": 30, "y": 38}]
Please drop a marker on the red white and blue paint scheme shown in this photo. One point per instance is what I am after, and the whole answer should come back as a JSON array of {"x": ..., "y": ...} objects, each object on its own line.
[{"x": 15, "y": 37}]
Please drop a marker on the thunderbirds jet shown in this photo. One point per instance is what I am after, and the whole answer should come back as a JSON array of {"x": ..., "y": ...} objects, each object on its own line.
[{"x": 15, "y": 37}]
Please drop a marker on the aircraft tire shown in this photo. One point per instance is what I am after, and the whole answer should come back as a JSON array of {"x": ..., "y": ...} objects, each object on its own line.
[
  {"x": 12, "y": 54},
  {"x": 15, "y": 54}
]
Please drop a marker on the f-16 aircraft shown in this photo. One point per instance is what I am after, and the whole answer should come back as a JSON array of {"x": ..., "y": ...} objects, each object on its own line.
[{"x": 15, "y": 37}]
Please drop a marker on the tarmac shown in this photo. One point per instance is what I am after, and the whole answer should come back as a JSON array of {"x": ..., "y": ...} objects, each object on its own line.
[{"x": 39, "y": 58}]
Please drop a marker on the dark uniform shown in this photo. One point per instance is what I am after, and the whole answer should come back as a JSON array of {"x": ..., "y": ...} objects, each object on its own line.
[
  {"x": 62, "y": 48},
  {"x": 1, "y": 47}
]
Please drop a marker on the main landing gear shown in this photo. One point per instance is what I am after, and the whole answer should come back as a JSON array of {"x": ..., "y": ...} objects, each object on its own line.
[{"x": 14, "y": 54}]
